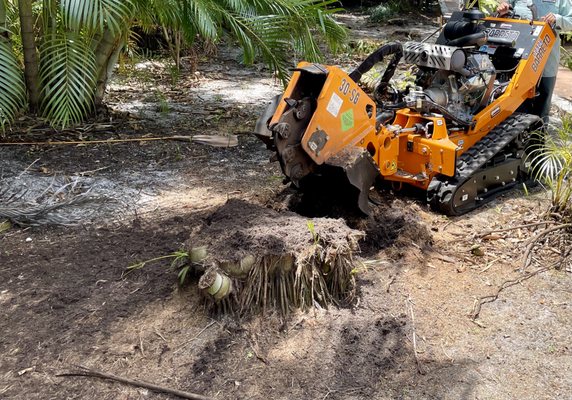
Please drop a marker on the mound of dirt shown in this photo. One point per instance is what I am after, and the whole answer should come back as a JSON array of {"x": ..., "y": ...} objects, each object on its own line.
[
  {"x": 392, "y": 224},
  {"x": 395, "y": 227},
  {"x": 257, "y": 257}
]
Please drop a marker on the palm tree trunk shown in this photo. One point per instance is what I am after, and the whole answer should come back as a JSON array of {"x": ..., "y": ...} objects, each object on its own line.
[
  {"x": 3, "y": 32},
  {"x": 104, "y": 56},
  {"x": 174, "y": 43},
  {"x": 31, "y": 62}
]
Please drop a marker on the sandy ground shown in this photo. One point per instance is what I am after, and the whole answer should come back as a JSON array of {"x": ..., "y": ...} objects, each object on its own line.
[{"x": 65, "y": 298}]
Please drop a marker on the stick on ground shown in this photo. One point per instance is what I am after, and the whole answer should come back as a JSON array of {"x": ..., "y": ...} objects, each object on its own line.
[
  {"x": 88, "y": 372},
  {"x": 414, "y": 334},
  {"x": 534, "y": 240},
  {"x": 489, "y": 299},
  {"x": 513, "y": 228}
]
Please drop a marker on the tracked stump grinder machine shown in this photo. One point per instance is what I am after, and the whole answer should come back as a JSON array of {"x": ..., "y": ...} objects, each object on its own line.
[{"x": 459, "y": 133}]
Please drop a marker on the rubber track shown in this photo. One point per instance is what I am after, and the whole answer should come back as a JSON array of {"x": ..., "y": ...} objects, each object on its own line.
[{"x": 441, "y": 189}]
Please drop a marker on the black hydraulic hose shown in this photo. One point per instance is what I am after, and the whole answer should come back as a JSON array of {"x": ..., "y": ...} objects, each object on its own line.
[
  {"x": 502, "y": 42},
  {"x": 468, "y": 40},
  {"x": 395, "y": 106},
  {"x": 388, "y": 49}
]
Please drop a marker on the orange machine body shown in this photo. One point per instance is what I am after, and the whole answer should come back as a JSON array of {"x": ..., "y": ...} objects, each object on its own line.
[{"x": 348, "y": 117}]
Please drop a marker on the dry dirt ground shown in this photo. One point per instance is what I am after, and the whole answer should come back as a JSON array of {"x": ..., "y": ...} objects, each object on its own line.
[{"x": 65, "y": 298}]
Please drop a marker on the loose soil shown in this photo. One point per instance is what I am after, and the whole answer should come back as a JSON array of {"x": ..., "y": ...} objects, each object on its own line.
[
  {"x": 66, "y": 299},
  {"x": 239, "y": 229}
]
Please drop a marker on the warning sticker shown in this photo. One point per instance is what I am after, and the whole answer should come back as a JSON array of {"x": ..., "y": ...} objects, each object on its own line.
[
  {"x": 335, "y": 105},
  {"x": 348, "y": 120}
]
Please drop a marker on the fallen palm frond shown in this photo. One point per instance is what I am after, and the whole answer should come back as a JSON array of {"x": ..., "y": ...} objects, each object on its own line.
[
  {"x": 46, "y": 210},
  {"x": 260, "y": 259}
]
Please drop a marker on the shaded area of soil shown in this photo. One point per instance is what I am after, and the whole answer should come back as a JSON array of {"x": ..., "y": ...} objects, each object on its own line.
[
  {"x": 62, "y": 288},
  {"x": 341, "y": 354}
]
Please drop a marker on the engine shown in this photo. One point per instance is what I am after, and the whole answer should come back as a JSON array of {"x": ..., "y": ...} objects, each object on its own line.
[{"x": 453, "y": 81}]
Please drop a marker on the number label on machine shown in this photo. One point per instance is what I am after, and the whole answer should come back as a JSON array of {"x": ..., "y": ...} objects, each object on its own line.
[
  {"x": 345, "y": 89},
  {"x": 538, "y": 52},
  {"x": 503, "y": 34}
]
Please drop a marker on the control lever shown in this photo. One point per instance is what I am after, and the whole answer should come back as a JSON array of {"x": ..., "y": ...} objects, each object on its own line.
[{"x": 508, "y": 14}]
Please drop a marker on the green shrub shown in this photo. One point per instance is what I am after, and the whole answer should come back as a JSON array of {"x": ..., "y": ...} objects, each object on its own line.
[
  {"x": 391, "y": 9},
  {"x": 553, "y": 167}
]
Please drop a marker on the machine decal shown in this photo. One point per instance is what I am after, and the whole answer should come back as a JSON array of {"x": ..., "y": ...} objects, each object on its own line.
[
  {"x": 345, "y": 89},
  {"x": 503, "y": 34},
  {"x": 539, "y": 50},
  {"x": 348, "y": 120},
  {"x": 335, "y": 105},
  {"x": 495, "y": 112}
]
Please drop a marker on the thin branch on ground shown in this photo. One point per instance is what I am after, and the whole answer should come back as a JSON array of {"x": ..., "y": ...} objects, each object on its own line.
[
  {"x": 28, "y": 168},
  {"x": 211, "y": 140},
  {"x": 88, "y": 372},
  {"x": 513, "y": 228},
  {"x": 414, "y": 334},
  {"x": 505, "y": 285}
]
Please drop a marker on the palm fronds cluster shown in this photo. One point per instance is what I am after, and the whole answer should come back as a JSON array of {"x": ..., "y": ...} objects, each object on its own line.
[
  {"x": 552, "y": 162},
  {"x": 56, "y": 55}
]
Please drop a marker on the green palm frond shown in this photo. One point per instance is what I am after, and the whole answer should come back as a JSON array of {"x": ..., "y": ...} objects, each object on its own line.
[
  {"x": 554, "y": 156},
  {"x": 262, "y": 36},
  {"x": 149, "y": 13},
  {"x": 95, "y": 15},
  {"x": 12, "y": 17},
  {"x": 68, "y": 75},
  {"x": 12, "y": 85},
  {"x": 272, "y": 30},
  {"x": 201, "y": 17},
  {"x": 552, "y": 161},
  {"x": 168, "y": 13},
  {"x": 243, "y": 7}
]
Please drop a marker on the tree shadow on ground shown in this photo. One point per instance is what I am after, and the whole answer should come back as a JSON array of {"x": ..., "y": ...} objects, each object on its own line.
[
  {"x": 68, "y": 285},
  {"x": 337, "y": 357}
]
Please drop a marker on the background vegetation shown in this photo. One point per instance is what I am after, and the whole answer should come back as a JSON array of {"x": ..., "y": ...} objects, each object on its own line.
[{"x": 56, "y": 56}]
